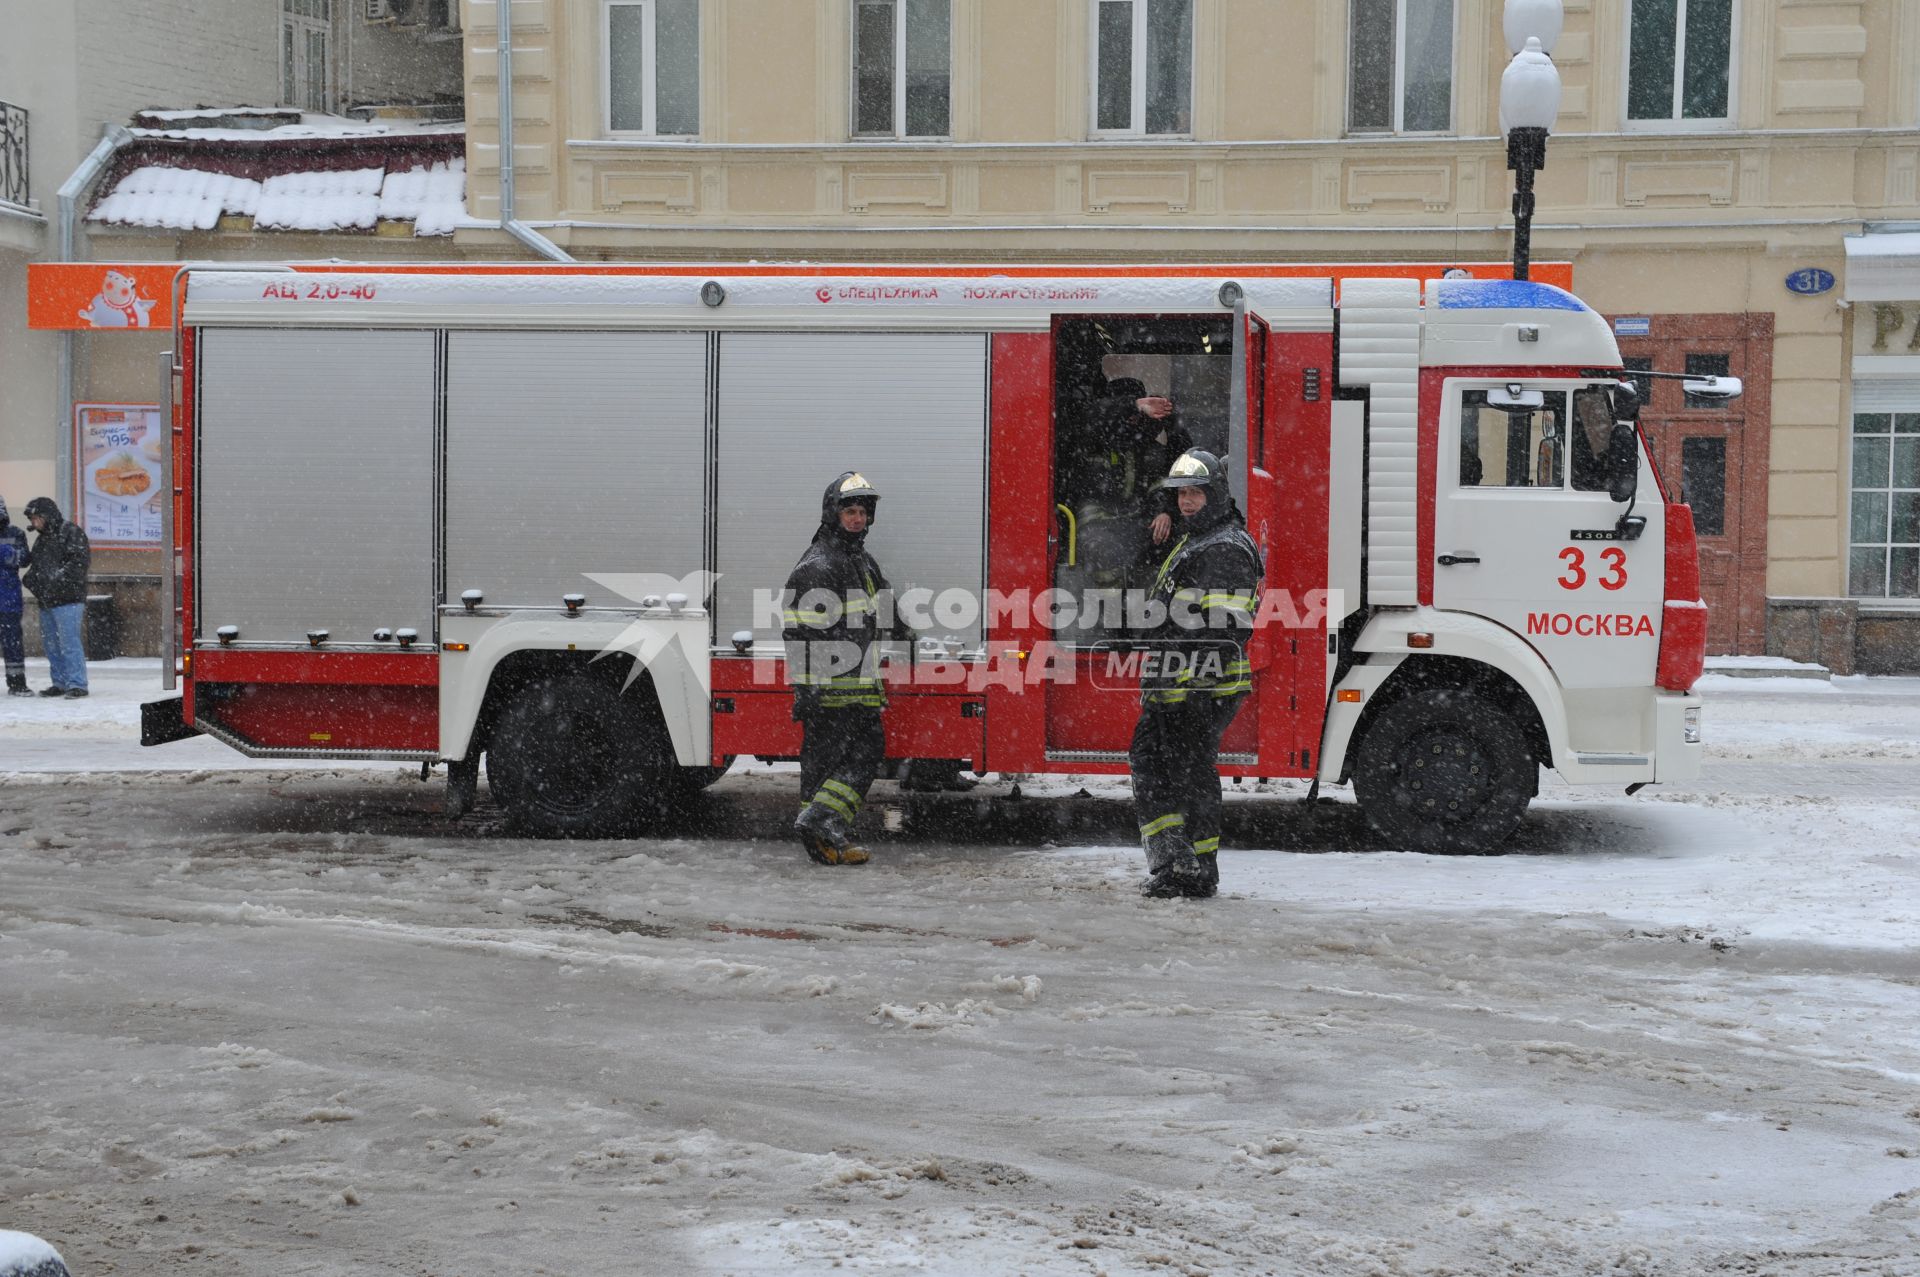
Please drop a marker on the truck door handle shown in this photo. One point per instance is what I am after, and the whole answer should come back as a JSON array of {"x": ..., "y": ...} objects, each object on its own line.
[{"x": 1451, "y": 560}]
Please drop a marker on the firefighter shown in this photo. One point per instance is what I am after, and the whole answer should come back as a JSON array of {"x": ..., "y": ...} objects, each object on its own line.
[
  {"x": 1208, "y": 584},
  {"x": 838, "y": 606},
  {"x": 1113, "y": 454}
]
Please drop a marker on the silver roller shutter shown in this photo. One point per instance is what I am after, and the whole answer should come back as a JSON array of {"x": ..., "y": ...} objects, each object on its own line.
[
  {"x": 909, "y": 411},
  {"x": 315, "y": 482},
  {"x": 569, "y": 453}
]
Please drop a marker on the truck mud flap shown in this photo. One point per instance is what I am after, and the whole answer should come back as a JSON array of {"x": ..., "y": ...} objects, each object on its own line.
[{"x": 162, "y": 722}]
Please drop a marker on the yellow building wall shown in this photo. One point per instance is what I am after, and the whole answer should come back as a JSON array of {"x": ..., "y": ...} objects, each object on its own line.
[{"x": 1825, "y": 101}]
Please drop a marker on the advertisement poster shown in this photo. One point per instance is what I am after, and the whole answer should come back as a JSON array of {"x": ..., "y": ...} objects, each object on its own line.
[
  {"x": 100, "y": 296},
  {"x": 116, "y": 452}
]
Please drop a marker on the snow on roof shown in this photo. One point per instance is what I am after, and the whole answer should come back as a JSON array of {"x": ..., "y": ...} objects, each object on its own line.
[
  {"x": 435, "y": 198},
  {"x": 310, "y": 127},
  {"x": 181, "y": 198},
  {"x": 214, "y": 112},
  {"x": 321, "y": 201},
  {"x": 432, "y": 196}
]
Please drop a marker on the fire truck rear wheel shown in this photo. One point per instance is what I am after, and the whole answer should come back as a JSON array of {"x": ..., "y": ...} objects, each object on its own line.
[
  {"x": 571, "y": 757},
  {"x": 1444, "y": 771}
]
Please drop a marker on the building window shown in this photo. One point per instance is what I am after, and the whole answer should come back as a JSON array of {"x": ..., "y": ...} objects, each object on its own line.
[
  {"x": 1400, "y": 66},
  {"x": 653, "y": 67},
  {"x": 1883, "y": 559},
  {"x": 1703, "y": 483},
  {"x": 1635, "y": 365},
  {"x": 902, "y": 68},
  {"x": 306, "y": 64},
  {"x": 1142, "y": 67},
  {"x": 1706, "y": 366},
  {"x": 1679, "y": 61}
]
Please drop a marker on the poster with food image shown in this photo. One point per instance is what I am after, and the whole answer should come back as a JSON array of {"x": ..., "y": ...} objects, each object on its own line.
[{"x": 116, "y": 451}]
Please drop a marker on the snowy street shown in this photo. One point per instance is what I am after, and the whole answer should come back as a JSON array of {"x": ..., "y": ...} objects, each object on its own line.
[{"x": 261, "y": 1019}]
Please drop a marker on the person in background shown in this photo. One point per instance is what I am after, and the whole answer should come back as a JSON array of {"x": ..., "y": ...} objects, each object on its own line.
[
  {"x": 13, "y": 648},
  {"x": 57, "y": 576},
  {"x": 1115, "y": 454}
]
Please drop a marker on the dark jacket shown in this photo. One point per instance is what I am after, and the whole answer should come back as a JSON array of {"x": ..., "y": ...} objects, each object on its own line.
[
  {"x": 1112, "y": 456},
  {"x": 61, "y": 558},
  {"x": 1211, "y": 578},
  {"x": 836, "y": 607},
  {"x": 13, "y": 556}
]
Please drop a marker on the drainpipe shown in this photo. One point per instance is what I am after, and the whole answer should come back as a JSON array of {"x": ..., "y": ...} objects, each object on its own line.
[
  {"x": 512, "y": 225},
  {"x": 71, "y": 192}
]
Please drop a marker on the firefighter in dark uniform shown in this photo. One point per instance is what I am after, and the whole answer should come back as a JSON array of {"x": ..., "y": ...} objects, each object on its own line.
[
  {"x": 1113, "y": 452},
  {"x": 1209, "y": 583},
  {"x": 837, "y": 608}
]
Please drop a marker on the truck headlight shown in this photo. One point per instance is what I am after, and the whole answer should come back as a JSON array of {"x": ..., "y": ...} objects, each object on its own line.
[{"x": 1690, "y": 725}]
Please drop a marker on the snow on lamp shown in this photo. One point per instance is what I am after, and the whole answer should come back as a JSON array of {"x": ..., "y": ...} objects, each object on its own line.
[{"x": 1529, "y": 101}]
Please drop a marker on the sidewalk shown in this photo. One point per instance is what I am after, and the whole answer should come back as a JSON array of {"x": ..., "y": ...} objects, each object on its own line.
[{"x": 102, "y": 732}]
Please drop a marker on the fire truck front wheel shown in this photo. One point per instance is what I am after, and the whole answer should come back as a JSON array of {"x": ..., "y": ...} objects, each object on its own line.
[
  {"x": 569, "y": 756},
  {"x": 1444, "y": 771}
]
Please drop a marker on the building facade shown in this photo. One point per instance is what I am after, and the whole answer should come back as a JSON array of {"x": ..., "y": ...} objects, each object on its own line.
[
  {"x": 138, "y": 73},
  {"x": 1711, "y": 157}
]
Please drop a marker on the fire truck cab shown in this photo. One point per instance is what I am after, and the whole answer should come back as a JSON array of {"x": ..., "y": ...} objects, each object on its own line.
[{"x": 538, "y": 519}]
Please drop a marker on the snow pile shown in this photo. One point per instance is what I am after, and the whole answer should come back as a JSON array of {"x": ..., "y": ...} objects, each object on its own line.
[
  {"x": 24, "y": 1255},
  {"x": 176, "y": 198},
  {"x": 323, "y": 200},
  {"x": 433, "y": 199}
]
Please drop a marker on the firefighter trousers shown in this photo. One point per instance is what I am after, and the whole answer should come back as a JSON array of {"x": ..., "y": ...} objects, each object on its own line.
[
  {"x": 841, "y": 751},
  {"x": 1176, "y": 785}
]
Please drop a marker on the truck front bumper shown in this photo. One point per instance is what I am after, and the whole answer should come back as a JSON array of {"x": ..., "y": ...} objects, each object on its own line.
[{"x": 1679, "y": 745}]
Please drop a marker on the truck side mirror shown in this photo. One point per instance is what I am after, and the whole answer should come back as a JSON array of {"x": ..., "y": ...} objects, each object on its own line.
[
  {"x": 1713, "y": 387},
  {"x": 1625, "y": 400},
  {"x": 1623, "y": 462}
]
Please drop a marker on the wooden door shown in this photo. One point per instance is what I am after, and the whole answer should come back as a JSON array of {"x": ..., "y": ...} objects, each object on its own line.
[{"x": 1713, "y": 455}]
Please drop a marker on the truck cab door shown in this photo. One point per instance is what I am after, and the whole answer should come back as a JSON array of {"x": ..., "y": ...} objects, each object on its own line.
[{"x": 1526, "y": 534}]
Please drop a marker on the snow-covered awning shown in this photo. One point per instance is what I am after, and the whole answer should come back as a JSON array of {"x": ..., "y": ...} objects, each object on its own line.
[
  {"x": 1883, "y": 268},
  {"x": 348, "y": 179}
]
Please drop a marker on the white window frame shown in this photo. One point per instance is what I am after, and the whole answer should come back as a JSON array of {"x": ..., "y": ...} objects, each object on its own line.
[
  {"x": 1887, "y": 543},
  {"x": 899, "y": 132},
  {"x": 301, "y": 21},
  {"x": 1675, "y": 124},
  {"x": 1137, "y": 115},
  {"x": 1399, "y": 125},
  {"x": 649, "y": 77}
]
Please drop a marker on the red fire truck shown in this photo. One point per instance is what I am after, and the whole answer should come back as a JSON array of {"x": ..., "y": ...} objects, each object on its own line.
[{"x": 532, "y": 517}]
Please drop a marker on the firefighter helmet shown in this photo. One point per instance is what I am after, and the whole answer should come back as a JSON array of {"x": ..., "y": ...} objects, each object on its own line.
[
  {"x": 1194, "y": 468},
  {"x": 851, "y": 486}
]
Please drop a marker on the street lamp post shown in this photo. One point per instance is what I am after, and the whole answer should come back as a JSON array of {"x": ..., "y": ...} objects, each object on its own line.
[{"x": 1529, "y": 101}]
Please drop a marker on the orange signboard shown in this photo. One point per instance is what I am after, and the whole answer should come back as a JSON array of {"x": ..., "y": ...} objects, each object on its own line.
[{"x": 99, "y": 295}]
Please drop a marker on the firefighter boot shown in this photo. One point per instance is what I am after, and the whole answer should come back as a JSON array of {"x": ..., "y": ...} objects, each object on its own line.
[
  {"x": 17, "y": 685},
  {"x": 826, "y": 837},
  {"x": 1175, "y": 871}
]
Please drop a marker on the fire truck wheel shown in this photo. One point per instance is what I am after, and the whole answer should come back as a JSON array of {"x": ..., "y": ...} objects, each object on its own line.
[
  {"x": 570, "y": 757},
  {"x": 1444, "y": 771}
]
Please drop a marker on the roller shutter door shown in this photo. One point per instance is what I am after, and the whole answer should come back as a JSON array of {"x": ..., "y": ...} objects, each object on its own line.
[
  {"x": 315, "y": 483},
  {"x": 571, "y": 453},
  {"x": 907, "y": 410}
]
